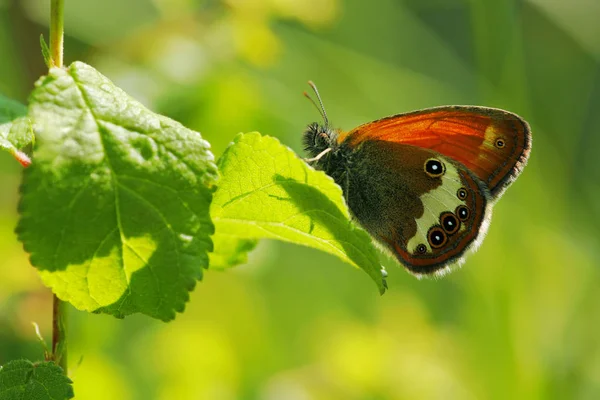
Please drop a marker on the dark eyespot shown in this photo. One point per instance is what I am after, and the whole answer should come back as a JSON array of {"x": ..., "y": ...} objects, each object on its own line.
[
  {"x": 463, "y": 213},
  {"x": 500, "y": 143},
  {"x": 434, "y": 168},
  {"x": 436, "y": 237},
  {"x": 421, "y": 249},
  {"x": 449, "y": 222},
  {"x": 461, "y": 193}
]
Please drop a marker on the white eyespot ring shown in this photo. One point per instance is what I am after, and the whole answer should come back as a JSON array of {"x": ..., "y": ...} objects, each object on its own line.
[
  {"x": 463, "y": 213},
  {"x": 436, "y": 237},
  {"x": 449, "y": 222},
  {"x": 434, "y": 168}
]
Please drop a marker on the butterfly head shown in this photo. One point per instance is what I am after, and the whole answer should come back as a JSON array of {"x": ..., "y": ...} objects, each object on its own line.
[{"x": 317, "y": 138}]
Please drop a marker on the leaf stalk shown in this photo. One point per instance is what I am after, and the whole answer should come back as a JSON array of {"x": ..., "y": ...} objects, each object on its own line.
[
  {"x": 59, "y": 332},
  {"x": 59, "y": 307},
  {"x": 57, "y": 26}
]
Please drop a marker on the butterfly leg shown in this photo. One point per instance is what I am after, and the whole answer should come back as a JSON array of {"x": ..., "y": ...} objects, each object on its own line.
[{"x": 318, "y": 156}]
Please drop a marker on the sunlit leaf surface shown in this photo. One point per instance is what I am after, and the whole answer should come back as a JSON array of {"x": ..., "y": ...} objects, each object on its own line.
[
  {"x": 15, "y": 128},
  {"x": 266, "y": 191},
  {"x": 114, "y": 209}
]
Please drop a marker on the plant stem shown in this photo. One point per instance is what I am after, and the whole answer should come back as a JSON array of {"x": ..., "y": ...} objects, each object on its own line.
[
  {"x": 59, "y": 308},
  {"x": 59, "y": 332},
  {"x": 57, "y": 26}
]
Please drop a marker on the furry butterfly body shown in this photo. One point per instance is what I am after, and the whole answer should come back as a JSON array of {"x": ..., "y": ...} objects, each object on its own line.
[{"x": 423, "y": 183}]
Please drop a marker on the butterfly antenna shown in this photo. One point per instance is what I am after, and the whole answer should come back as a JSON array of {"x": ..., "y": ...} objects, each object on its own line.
[
  {"x": 313, "y": 103},
  {"x": 320, "y": 106}
]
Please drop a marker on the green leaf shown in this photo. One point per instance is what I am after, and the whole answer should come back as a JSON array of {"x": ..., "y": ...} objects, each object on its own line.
[
  {"x": 10, "y": 110},
  {"x": 22, "y": 379},
  {"x": 16, "y": 135},
  {"x": 16, "y": 132},
  {"x": 114, "y": 209},
  {"x": 46, "y": 52},
  {"x": 230, "y": 251},
  {"x": 266, "y": 191}
]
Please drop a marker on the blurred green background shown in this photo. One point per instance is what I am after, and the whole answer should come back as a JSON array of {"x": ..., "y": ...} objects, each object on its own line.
[{"x": 520, "y": 320}]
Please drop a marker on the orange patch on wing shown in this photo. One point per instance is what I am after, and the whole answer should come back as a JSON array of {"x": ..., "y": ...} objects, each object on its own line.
[{"x": 463, "y": 133}]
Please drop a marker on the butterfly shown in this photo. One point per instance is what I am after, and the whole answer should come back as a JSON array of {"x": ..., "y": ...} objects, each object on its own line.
[{"x": 423, "y": 183}]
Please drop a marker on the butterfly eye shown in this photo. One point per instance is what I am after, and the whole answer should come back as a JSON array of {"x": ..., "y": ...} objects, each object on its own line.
[
  {"x": 500, "y": 143},
  {"x": 449, "y": 222},
  {"x": 421, "y": 249},
  {"x": 434, "y": 168},
  {"x": 462, "y": 193},
  {"x": 437, "y": 237},
  {"x": 463, "y": 213}
]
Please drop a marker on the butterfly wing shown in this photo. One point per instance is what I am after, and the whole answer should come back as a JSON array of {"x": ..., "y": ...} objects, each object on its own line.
[
  {"x": 421, "y": 205},
  {"x": 492, "y": 143}
]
